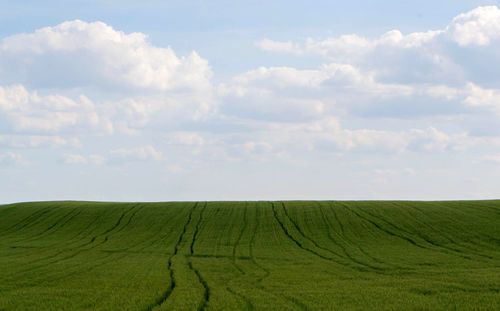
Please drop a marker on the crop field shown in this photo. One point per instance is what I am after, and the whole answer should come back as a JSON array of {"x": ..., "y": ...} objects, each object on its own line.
[{"x": 293, "y": 255}]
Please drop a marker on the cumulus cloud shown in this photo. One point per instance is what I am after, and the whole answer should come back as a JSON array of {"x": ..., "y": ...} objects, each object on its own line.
[
  {"x": 448, "y": 71},
  {"x": 22, "y": 111},
  {"x": 327, "y": 135},
  {"x": 463, "y": 51},
  {"x": 150, "y": 85},
  {"x": 275, "y": 110},
  {"x": 284, "y": 93},
  {"x": 484, "y": 98},
  {"x": 78, "y": 53},
  {"x": 28, "y": 112},
  {"x": 478, "y": 27}
]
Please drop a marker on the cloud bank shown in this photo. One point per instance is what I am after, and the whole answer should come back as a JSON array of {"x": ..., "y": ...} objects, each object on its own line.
[{"x": 84, "y": 93}]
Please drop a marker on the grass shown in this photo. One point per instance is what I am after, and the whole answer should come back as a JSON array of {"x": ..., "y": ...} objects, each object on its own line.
[{"x": 250, "y": 255}]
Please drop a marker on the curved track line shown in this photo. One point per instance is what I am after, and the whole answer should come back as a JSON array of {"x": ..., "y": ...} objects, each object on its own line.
[
  {"x": 206, "y": 289},
  {"x": 287, "y": 233},
  {"x": 235, "y": 246},
  {"x": 197, "y": 229},
  {"x": 160, "y": 300}
]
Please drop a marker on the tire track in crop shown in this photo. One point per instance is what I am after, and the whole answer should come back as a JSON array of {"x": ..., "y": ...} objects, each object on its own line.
[
  {"x": 246, "y": 301},
  {"x": 238, "y": 239},
  {"x": 89, "y": 225},
  {"x": 331, "y": 207},
  {"x": 299, "y": 230},
  {"x": 296, "y": 302},
  {"x": 347, "y": 255},
  {"x": 197, "y": 229},
  {"x": 163, "y": 298},
  {"x": 162, "y": 234},
  {"x": 56, "y": 223},
  {"x": 34, "y": 220},
  {"x": 300, "y": 245},
  {"x": 206, "y": 288},
  {"x": 109, "y": 231},
  {"x": 34, "y": 215},
  {"x": 438, "y": 247},
  {"x": 251, "y": 246},
  {"x": 80, "y": 248},
  {"x": 70, "y": 239},
  {"x": 402, "y": 237},
  {"x": 341, "y": 226},
  {"x": 444, "y": 233},
  {"x": 485, "y": 205},
  {"x": 478, "y": 211},
  {"x": 131, "y": 217},
  {"x": 68, "y": 274}
]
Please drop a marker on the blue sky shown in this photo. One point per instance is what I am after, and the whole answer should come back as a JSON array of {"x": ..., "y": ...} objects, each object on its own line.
[{"x": 249, "y": 100}]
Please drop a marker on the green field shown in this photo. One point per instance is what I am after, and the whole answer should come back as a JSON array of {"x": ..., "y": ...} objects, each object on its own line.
[{"x": 250, "y": 255}]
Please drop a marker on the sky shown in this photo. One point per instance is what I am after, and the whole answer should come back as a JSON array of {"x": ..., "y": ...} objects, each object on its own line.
[{"x": 249, "y": 100}]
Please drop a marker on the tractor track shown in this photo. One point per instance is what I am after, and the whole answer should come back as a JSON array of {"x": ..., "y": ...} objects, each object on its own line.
[{"x": 163, "y": 298}]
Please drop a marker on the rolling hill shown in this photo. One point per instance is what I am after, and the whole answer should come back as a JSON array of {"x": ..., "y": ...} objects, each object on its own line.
[{"x": 292, "y": 255}]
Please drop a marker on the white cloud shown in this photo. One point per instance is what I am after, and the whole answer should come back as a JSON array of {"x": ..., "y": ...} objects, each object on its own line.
[
  {"x": 74, "y": 159},
  {"x": 393, "y": 172},
  {"x": 77, "y": 53},
  {"x": 444, "y": 72},
  {"x": 327, "y": 135},
  {"x": 289, "y": 94},
  {"x": 461, "y": 52},
  {"x": 36, "y": 141},
  {"x": 31, "y": 113},
  {"x": 27, "y": 112},
  {"x": 186, "y": 138},
  {"x": 491, "y": 158},
  {"x": 477, "y": 27},
  {"x": 145, "y": 153},
  {"x": 70, "y": 158},
  {"x": 279, "y": 46},
  {"x": 97, "y": 159},
  {"x": 275, "y": 110},
  {"x": 484, "y": 98},
  {"x": 11, "y": 158}
]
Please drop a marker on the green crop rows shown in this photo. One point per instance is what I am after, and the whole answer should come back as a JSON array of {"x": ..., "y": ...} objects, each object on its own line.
[{"x": 250, "y": 255}]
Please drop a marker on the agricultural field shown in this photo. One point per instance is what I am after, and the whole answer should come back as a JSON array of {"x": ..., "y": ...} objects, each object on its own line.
[{"x": 293, "y": 255}]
